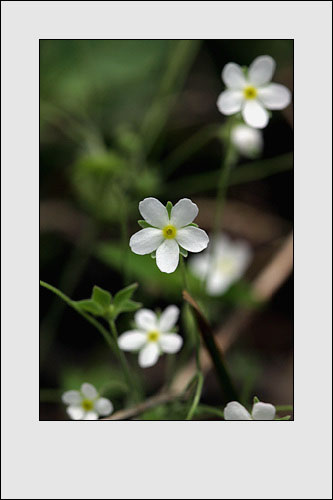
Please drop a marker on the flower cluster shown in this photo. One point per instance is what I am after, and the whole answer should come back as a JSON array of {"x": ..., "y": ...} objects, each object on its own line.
[{"x": 86, "y": 404}]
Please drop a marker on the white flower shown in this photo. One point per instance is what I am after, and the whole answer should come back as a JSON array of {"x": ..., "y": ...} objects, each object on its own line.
[
  {"x": 252, "y": 94},
  {"x": 221, "y": 266},
  {"x": 260, "y": 411},
  {"x": 86, "y": 404},
  {"x": 167, "y": 233},
  {"x": 247, "y": 140},
  {"x": 152, "y": 335}
]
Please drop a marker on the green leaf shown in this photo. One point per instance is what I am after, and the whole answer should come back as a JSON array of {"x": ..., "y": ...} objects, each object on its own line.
[
  {"x": 169, "y": 208},
  {"x": 193, "y": 224},
  {"x": 101, "y": 297},
  {"x": 89, "y": 306},
  {"x": 256, "y": 400},
  {"x": 287, "y": 417},
  {"x": 144, "y": 224},
  {"x": 130, "y": 306},
  {"x": 124, "y": 294}
]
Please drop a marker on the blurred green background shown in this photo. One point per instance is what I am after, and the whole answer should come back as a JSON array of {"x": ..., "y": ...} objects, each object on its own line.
[{"x": 121, "y": 120}]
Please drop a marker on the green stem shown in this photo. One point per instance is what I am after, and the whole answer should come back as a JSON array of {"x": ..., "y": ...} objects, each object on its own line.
[
  {"x": 227, "y": 163},
  {"x": 90, "y": 319},
  {"x": 188, "y": 309},
  {"x": 247, "y": 172},
  {"x": 197, "y": 396},
  {"x": 226, "y": 166},
  {"x": 123, "y": 361},
  {"x": 215, "y": 354},
  {"x": 184, "y": 273}
]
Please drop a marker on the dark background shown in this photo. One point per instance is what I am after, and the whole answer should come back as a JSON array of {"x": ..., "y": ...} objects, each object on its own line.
[{"x": 112, "y": 113}]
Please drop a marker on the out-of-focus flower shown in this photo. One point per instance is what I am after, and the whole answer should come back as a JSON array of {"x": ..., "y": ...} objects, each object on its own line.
[
  {"x": 247, "y": 140},
  {"x": 251, "y": 92},
  {"x": 260, "y": 411},
  {"x": 221, "y": 265},
  {"x": 152, "y": 336},
  {"x": 86, "y": 404},
  {"x": 168, "y": 232}
]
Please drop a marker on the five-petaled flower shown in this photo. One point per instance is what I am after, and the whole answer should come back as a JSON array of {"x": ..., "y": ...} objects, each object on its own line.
[
  {"x": 86, "y": 404},
  {"x": 221, "y": 266},
  {"x": 152, "y": 336},
  {"x": 252, "y": 93},
  {"x": 260, "y": 411},
  {"x": 168, "y": 232}
]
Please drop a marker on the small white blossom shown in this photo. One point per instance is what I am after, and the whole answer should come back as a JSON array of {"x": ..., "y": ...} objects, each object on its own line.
[
  {"x": 222, "y": 265},
  {"x": 168, "y": 233},
  {"x": 260, "y": 411},
  {"x": 252, "y": 93},
  {"x": 86, "y": 404},
  {"x": 152, "y": 336},
  {"x": 247, "y": 140}
]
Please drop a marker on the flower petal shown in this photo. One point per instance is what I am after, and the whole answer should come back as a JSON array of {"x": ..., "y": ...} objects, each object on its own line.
[
  {"x": 75, "y": 412},
  {"x": 183, "y": 213},
  {"x": 247, "y": 140},
  {"x": 89, "y": 391},
  {"x": 255, "y": 114},
  {"x": 199, "y": 265},
  {"x": 71, "y": 398},
  {"x": 146, "y": 319},
  {"x": 146, "y": 240},
  {"x": 132, "y": 340},
  {"x": 103, "y": 407},
  {"x": 217, "y": 283},
  {"x": 192, "y": 239},
  {"x": 90, "y": 415},
  {"x": 230, "y": 101},
  {"x": 261, "y": 70},
  {"x": 233, "y": 76},
  {"x": 167, "y": 256},
  {"x": 275, "y": 96},
  {"x": 149, "y": 355},
  {"x": 263, "y": 411},
  {"x": 170, "y": 342},
  {"x": 236, "y": 411},
  {"x": 168, "y": 318},
  {"x": 154, "y": 212},
  {"x": 242, "y": 254}
]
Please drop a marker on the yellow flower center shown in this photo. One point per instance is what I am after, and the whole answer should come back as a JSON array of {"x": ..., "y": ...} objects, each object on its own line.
[
  {"x": 153, "y": 336},
  {"x": 169, "y": 232},
  {"x": 250, "y": 92},
  {"x": 226, "y": 266},
  {"x": 87, "y": 405}
]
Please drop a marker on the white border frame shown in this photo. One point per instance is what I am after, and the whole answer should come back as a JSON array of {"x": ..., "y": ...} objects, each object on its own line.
[{"x": 167, "y": 459}]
